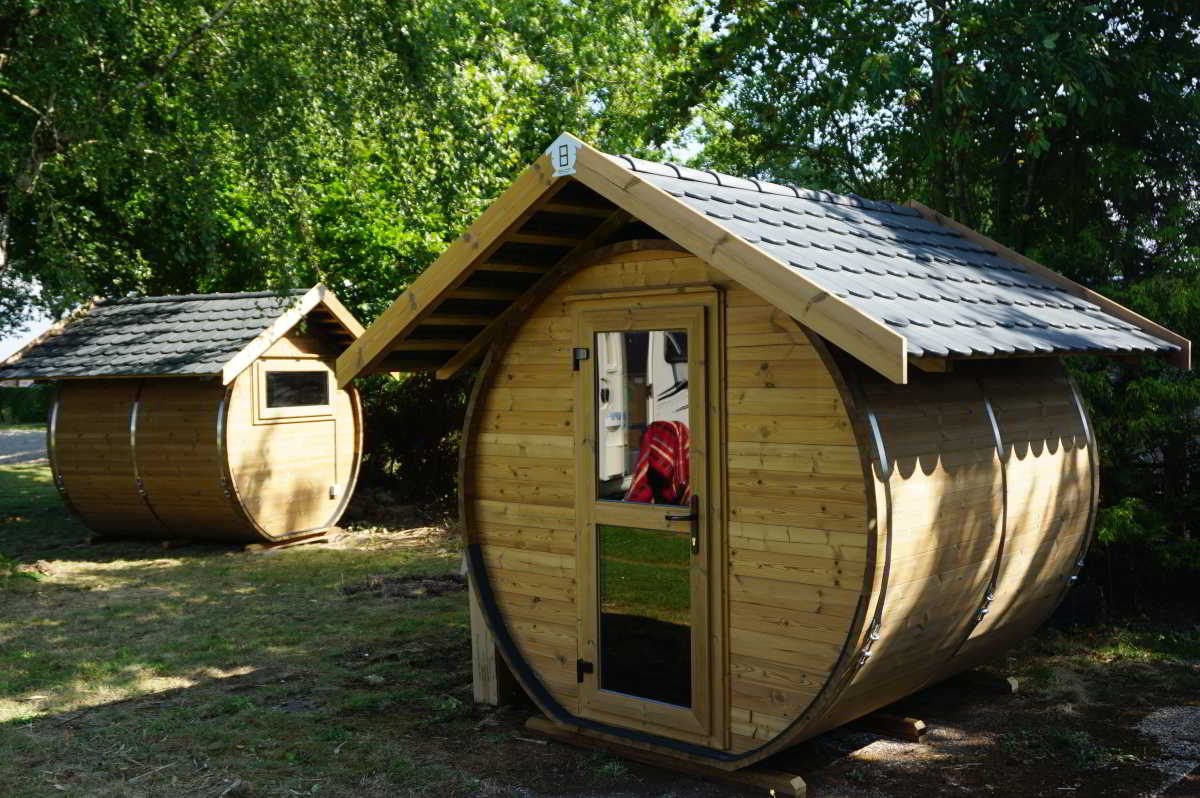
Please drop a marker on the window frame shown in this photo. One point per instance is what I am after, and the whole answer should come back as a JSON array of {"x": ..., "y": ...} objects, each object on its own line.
[{"x": 276, "y": 415}]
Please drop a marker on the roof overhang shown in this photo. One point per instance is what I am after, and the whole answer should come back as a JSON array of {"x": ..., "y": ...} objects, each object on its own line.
[
  {"x": 630, "y": 197},
  {"x": 1181, "y": 357},
  {"x": 318, "y": 306},
  {"x": 427, "y": 329}
]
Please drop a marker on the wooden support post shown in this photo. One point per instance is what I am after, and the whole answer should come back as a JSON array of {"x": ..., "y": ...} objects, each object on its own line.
[
  {"x": 910, "y": 730},
  {"x": 491, "y": 682},
  {"x": 775, "y": 782},
  {"x": 484, "y": 681}
]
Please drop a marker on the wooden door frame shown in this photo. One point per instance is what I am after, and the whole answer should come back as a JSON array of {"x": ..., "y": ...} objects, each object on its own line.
[{"x": 706, "y": 722}]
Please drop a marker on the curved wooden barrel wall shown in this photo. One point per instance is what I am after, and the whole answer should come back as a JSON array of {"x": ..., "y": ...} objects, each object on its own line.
[
  {"x": 988, "y": 492},
  {"x": 180, "y": 458},
  {"x": 851, "y": 503}
]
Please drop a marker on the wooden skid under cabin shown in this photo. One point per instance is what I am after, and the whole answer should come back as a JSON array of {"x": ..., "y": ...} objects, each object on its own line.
[
  {"x": 203, "y": 417},
  {"x": 745, "y": 462}
]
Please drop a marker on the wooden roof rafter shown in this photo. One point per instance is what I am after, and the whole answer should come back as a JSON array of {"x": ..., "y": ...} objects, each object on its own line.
[{"x": 533, "y": 188}]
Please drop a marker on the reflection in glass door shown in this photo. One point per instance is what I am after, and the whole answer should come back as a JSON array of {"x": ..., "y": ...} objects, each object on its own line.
[{"x": 645, "y": 613}]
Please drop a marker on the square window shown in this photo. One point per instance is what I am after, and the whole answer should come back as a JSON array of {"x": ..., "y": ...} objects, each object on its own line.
[
  {"x": 297, "y": 388},
  {"x": 292, "y": 389}
]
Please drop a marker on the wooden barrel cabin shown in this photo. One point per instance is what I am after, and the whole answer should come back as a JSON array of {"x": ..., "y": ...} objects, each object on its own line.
[
  {"x": 203, "y": 417},
  {"x": 743, "y": 461}
]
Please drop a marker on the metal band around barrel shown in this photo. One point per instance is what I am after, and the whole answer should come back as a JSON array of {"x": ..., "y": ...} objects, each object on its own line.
[
  {"x": 990, "y": 593},
  {"x": 222, "y": 454},
  {"x": 1093, "y": 483},
  {"x": 885, "y": 472},
  {"x": 134, "y": 413},
  {"x": 52, "y": 451}
]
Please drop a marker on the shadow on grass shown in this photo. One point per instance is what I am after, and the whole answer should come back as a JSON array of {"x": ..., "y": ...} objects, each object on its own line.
[{"x": 35, "y": 524}]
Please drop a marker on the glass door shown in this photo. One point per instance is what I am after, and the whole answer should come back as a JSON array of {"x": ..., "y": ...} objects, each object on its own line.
[{"x": 642, "y": 430}]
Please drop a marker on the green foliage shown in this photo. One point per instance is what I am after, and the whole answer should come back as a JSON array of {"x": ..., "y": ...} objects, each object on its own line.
[
  {"x": 412, "y": 434},
  {"x": 24, "y": 405},
  {"x": 164, "y": 148},
  {"x": 1068, "y": 131}
]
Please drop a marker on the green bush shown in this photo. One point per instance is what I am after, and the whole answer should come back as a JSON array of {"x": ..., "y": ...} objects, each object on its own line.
[
  {"x": 24, "y": 405},
  {"x": 1139, "y": 556},
  {"x": 412, "y": 428}
]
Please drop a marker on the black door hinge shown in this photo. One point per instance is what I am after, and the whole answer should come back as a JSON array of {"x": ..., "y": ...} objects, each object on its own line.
[
  {"x": 582, "y": 667},
  {"x": 577, "y": 354}
]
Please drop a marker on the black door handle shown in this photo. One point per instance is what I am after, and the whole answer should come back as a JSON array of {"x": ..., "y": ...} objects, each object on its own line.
[{"x": 694, "y": 518}]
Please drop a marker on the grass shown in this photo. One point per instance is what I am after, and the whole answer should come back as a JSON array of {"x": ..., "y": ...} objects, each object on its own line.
[
  {"x": 33, "y": 520},
  {"x": 132, "y": 670},
  {"x": 23, "y": 427},
  {"x": 129, "y": 670},
  {"x": 646, "y": 572}
]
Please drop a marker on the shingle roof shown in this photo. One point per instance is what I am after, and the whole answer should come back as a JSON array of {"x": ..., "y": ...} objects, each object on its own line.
[
  {"x": 945, "y": 294},
  {"x": 891, "y": 285},
  {"x": 154, "y": 336}
]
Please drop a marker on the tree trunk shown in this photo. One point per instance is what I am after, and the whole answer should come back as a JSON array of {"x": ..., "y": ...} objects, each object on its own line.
[{"x": 939, "y": 127}]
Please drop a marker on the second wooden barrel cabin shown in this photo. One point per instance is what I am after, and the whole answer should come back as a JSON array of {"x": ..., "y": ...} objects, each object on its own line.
[
  {"x": 202, "y": 417},
  {"x": 743, "y": 461}
]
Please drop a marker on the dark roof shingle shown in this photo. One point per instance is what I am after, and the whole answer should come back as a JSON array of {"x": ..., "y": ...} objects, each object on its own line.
[
  {"x": 945, "y": 294},
  {"x": 154, "y": 336}
]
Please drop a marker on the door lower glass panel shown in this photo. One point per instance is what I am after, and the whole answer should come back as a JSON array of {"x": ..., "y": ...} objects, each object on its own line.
[{"x": 644, "y": 592}]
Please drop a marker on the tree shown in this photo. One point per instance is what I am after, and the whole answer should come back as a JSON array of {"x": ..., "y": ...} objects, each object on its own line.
[
  {"x": 1068, "y": 131},
  {"x": 185, "y": 146}
]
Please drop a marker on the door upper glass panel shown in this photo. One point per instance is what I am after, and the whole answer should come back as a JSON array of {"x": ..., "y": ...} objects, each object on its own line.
[{"x": 642, "y": 402}]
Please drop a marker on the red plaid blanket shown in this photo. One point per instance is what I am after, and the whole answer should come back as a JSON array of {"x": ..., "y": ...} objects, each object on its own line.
[{"x": 661, "y": 475}]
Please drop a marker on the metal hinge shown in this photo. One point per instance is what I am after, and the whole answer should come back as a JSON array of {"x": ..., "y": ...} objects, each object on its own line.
[
  {"x": 986, "y": 608},
  {"x": 865, "y": 654},
  {"x": 582, "y": 667},
  {"x": 577, "y": 354}
]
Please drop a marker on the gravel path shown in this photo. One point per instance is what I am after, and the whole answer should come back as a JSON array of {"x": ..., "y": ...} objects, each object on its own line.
[
  {"x": 1177, "y": 730},
  {"x": 19, "y": 446}
]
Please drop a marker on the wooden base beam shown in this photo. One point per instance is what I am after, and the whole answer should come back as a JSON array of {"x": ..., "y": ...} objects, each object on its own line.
[
  {"x": 775, "y": 782},
  {"x": 316, "y": 537},
  {"x": 912, "y": 730}
]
